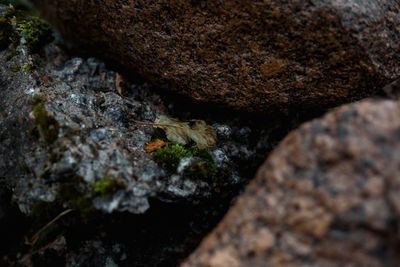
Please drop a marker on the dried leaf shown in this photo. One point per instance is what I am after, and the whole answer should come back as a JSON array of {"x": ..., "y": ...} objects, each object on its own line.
[
  {"x": 154, "y": 145},
  {"x": 202, "y": 134},
  {"x": 118, "y": 84},
  {"x": 181, "y": 132}
]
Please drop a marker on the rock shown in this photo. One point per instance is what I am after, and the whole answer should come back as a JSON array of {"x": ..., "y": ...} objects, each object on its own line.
[
  {"x": 67, "y": 142},
  {"x": 88, "y": 134},
  {"x": 249, "y": 55},
  {"x": 327, "y": 196}
]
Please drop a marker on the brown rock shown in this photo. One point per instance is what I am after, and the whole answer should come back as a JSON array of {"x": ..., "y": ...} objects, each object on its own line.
[
  {"x": 327, "y": 196},
  {"x": 253, "y": 55}
]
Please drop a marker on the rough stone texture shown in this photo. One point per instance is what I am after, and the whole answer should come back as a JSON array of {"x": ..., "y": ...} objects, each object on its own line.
[
  {"x": 97, "y": 139},
  {"x": 329, "y": 195},
  {"x": 252, "y": 55}
]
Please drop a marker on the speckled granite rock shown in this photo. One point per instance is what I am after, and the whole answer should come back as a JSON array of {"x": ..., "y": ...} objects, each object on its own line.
[
  {"x": 327, "y": 196},
  {"x": 251, "y": 55}
]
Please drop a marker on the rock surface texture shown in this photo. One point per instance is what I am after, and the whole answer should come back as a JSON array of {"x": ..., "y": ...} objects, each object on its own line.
[
  {"x": 68, "y": 144},
  {"x": 327, "y": 196},
  {"x": 252, "y": 55},
  {"x": 95, "y": 138}
]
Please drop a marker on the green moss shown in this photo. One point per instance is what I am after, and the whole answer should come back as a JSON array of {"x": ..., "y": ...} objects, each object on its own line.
[
  {"x": 169, "y": 156},
  {"x": 35, "y": 31},
  {"x": 202, "y": 153},
  {"x": 38, "y": 99},
  {"x": 11, "y": 54},
  {"x": 73, "y": 194},
  {"x": 46, "y": 125},
  {"x": 200, "y": 171},
  {"x": 70, "y": 194},
  {"x": 15, "y": 24},
  {"x": 206, "y": 171},
  {"x": 27, "y": 67},
  {"x": 106, "y": 187}
]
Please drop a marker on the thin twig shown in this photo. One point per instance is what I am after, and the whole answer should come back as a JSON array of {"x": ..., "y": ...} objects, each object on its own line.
[
  {"x": 35, "y": 237},
  {"x": 155, "y": 124}
]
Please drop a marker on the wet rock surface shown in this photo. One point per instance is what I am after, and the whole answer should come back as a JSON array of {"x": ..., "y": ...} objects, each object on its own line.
[
  {"x": 327, "y": 196},
  {"x": 249, "y": 55}
]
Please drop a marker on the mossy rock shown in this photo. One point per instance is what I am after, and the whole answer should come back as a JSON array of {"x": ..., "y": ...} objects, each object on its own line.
[
  {"x": 107, "y": 186},
  {"x": 16, "y": 24},
  {"x": 169, "y": 156},
  {"x": 208, "y": 172},
  {"x": 46, "y": 125},
  {"x": 205, "y": 169}
]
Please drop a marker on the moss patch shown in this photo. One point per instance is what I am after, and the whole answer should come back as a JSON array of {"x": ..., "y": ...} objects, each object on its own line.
[
  {"x": 27, "y": 68},
  {"x": 202, "y": 153},
  {"x": 35, "y": 31},
  {"x": 46, "y": 125},
  {"x": 170, "y": 156},
  {"x": 203, "y": 171},
  {"x": 16, "y": 24},
  {"x": 107, "y": 186},
  {"x": 73, "y": 194},
  {"x": 70, "y": 194}
]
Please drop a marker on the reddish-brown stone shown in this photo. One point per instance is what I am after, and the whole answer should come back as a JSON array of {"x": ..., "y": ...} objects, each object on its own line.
[
  {"x": 329, "y": 195},
  {"x": 252, "y": 55}
]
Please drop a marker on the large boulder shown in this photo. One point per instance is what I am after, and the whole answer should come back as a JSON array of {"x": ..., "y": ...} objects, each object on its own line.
[
  {"x": 251, "y": 55},
  {"x": 329, "y": 195}
]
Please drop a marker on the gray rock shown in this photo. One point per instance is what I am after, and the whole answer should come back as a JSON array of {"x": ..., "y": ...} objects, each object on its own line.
[{"x": 96, "y": 138}]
